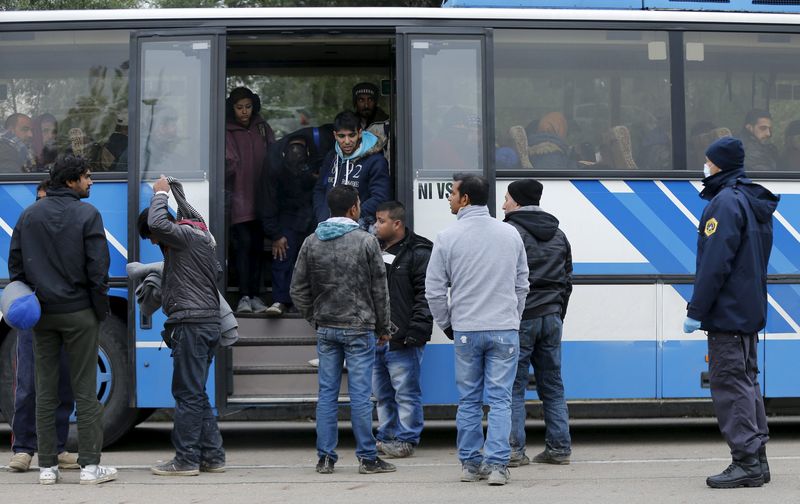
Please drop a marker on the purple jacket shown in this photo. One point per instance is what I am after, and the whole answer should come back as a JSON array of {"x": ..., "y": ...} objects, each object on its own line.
[{"x": 245, "y": 158}]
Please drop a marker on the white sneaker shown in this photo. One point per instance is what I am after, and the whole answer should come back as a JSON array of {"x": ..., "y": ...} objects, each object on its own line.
[
  {"x": 257, "y": 305},
  {"x": 244, "y": 305},
  {"x": 95, "y": 474},
  {"x": 276, "y": 309},
  {"x": 49, "y": 475},
  {"x": 314, "y": 362}
]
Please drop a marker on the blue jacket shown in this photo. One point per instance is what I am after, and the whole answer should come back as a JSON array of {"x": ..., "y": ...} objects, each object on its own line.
[
  {"x": 366, "y": 170},
  {"x": 730, "y": 287}
]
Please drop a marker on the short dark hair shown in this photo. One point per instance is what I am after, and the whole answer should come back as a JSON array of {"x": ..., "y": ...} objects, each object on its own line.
[
  {"x": 474, "y": 186},
  {"x": 395, "y": 209},
  {"x": 13, "y": 119},
  {"x": 143, "y": 227},
  {"x": 67, "y": 168},
  {"x": 43, "y": 185},
  {"x": 346, "y": 120},
  {"x": 341, "y": 199},
  {"x": 754, "y": 115}
]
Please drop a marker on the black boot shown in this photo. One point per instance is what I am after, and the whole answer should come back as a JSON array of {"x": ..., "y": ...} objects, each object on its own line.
[
  {"x": 743, "y": 472},
  {"x": 762, "y": 458}
]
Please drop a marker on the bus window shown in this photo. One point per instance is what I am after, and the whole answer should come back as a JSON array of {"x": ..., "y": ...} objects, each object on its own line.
[
  {"x": 63, "y": 92},
  {"x": 747, "y": 85},
  {"x": 568, "y": 99}
]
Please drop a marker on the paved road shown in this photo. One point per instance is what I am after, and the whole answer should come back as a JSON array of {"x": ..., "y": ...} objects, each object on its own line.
[{"x": 626, "y": 462}]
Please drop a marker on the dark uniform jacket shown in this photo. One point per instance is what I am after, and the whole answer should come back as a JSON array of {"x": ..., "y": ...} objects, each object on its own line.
[
  {"x": 59, "y": 249},
  {"x": 549, "y": 262},
  {"x": 733, "y": 247},
  {"x": 406, "y": 278}
]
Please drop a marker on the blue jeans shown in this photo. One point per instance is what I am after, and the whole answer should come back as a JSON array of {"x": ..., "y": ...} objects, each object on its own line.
[
  {"x": 23, "y": 423},
  {"x": 540, "y": 345},
  {"x": 485, "y": 364},
  {"x": 282, "y": 270},
  {"x": 395, "y": 384},
  {"x": 358, "y": 347}
]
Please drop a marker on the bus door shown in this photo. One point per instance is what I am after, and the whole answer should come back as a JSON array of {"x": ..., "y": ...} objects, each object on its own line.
[
  {"x": 176, "y": 129},
  {"x": 443, "y": 127}
]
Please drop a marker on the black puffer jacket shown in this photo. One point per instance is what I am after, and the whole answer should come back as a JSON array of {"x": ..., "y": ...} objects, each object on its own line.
[
  {"x": 549, "y": 261},
  {"x": 406, "y": 278}
]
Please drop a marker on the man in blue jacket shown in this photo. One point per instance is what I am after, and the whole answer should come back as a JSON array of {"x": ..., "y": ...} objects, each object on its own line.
[
  {"x": 730, "y": 303},
  {"x": 356, "y": 160}
]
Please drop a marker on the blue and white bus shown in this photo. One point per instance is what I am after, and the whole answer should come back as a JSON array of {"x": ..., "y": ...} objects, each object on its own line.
[{"x": 611, "y": 108}]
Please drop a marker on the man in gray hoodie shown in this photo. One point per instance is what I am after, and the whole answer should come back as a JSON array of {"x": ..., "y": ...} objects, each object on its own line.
[
  {"x": 339, "y": 286},
  {"x": 483, "y": 262}
]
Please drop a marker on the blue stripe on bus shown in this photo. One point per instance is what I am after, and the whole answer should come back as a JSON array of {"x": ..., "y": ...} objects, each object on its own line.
[
  {"x": 154, "y": 379},
  {"x": 687, "y": 194},
  {"x": 585, "y": 268},
  {"x": 683, "y": 361},
  {"x": 781, "y": 375},
  {"x": 789, "y": 207},
  {"x": 665, "y": 210}
]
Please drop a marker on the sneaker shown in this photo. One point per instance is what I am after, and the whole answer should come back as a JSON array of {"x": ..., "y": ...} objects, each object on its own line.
[
  {"x": 518, "y": 459},
  {"x": 67, "y": 460},
  {"x": 548, "y": 457},
  {"x": 20, "y": 462},
  {"x": 210, "y": 467},
  {"x": 325, "y": 465},
  {"x": 471, "y": 473},
  {"x": 244, "y": 305},
  {"x": 499, "y": 476},
  {"x": 49, "y": 475},
  {"x": 398, "y": 449},
  {"x": 257, "y": 305},
  {"x": 174, "y": 468},
  {"x": 96, "y": 474},
  {"x": 376, "y": 466},
  {"x": 276, "y": 309}
]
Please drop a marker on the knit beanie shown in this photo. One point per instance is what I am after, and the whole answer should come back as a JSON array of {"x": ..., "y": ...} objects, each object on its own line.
[
  {"x": 727, "y": 153},
  {"x": 366, "y": 88},
  {"x": 525, "y": 192}
]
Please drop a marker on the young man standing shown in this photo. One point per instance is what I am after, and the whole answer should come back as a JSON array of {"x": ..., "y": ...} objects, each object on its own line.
[{"x": 395, "y": 381}]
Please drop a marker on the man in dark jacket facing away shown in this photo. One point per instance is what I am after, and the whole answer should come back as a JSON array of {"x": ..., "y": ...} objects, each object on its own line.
[
  {"x": 339, "y": 286},
  {"x": 59, "y": 249},
  {"x": 190, "y": 299},
  {"x": 550, "y": 266},
  {"x": 395, "y": 381},
  {"x": 730, "y": 303}
]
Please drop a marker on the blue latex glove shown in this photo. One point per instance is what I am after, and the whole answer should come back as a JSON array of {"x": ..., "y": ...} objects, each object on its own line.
[{"x": 690, "y": 325}]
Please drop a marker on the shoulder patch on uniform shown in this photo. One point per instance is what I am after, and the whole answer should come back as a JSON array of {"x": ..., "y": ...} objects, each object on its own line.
[{"x": 711, "y": 226}]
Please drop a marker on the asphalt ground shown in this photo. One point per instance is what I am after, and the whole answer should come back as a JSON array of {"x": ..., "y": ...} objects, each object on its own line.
[{"x": 613, "y": 461}]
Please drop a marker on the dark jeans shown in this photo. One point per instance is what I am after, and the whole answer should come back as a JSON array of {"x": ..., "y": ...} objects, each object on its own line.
[
  {"x": 247, "y": 240},
  {"x": 78, "y": 333},
  {"x": 23, "y": 423},
  {"x": 540, "y": 345},
  {"x": 195, "y": 433},
  {"x": 282, "y": 270},
  {"x": 735, "y": 392}
]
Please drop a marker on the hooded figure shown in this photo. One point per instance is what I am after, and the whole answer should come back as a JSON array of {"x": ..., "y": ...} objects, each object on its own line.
[{"x": 547, "y": 148}]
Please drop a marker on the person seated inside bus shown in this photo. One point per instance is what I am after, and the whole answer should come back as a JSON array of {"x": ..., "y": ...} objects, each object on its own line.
[
  {"x": 114, "y": 153},
  {"x": 45, "y": 131},
  {"x": 357, "y": 160},
  {"x": 756, "y": 135},
  {"x": 791, "y": 147},
  {"x": 457, "y": 146},
  {"x": 15, "y": 145},
  {"x": 546, "y": 148},
  {"x": 247, "y": 138},
  {"x": 656, "y": 149}
]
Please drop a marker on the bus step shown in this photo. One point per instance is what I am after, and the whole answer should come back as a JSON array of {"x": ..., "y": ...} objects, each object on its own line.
[
  {"x": 278, "y": 399},
  {"x": 252, "y": 341},
  {"x": 276, "y": 369}
]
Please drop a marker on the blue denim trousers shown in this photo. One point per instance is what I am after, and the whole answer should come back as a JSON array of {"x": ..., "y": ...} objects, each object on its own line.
[
  {"x": 485, "y": 365},
  {"x": 282, "y": 270},
  {"x": 395, "y": 385},
  {"x": 333, "y": 347},
  {"x": 195, "y": 433},
  {"x": 540, "y": 346}
]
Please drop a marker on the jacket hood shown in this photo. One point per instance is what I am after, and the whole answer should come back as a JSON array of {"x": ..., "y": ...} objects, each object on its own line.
[
  {"x": 539, "y": 223},
  {"x": 715, "y": 183},
  {"x": 414, "y": 241},
  {"x": 335, "y": 227},
  {"x": 254, "y": 122},
  {"x": 762, "y": 201},
  {"x": 369, "y": 145}
]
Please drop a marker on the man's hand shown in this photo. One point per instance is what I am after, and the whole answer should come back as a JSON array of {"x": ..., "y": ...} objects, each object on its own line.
[
  {"x": 279, "y": 248},
  {"x": 161, "y": 184},
  {"x": 383, "y": 339},
  {"x": 690, "y": 325}
]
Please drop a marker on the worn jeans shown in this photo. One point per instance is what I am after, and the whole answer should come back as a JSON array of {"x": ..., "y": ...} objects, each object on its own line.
[
  {"x": 540, "y": 346},
  {"x": 395, "y": 385},
  {"x": 735, "y": 392},
  {"x": 78, "y": 333},
  {"x": 195, "y": 433},
  {"x": 358, "y": 347},
  {"x": 485, "y": 365},
  {"x": 23, "y": 423},
  {"x": 282, "y": 270}
]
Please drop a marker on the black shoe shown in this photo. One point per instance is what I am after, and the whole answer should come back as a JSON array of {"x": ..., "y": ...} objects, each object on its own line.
[
  {"x": 548, "y": 457},
  {"x": 745, "y": 472},
  {"x": 325, "y": 465},
  {"x": 375, "y": 466},
  {"x": 762, "y": 458},
  {"x": 212, "y": 467},
  {"x": 175, "y": 468}
]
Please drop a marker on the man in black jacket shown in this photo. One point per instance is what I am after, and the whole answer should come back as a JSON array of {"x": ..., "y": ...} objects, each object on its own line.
[
  {"x": 395, "y": 379},
  {"x": 550, "y": 265},
  {"x": 59, "y": 249}
]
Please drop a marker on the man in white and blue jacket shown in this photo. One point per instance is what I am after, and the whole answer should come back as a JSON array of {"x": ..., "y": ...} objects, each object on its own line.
[{"x": 483, "y": 263}]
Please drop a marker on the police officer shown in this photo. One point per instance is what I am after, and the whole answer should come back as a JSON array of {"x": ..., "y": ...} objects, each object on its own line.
[{"x": 730, "y": 303}]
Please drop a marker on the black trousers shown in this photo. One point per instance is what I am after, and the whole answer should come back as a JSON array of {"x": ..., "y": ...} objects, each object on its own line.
[
  {"x": 247, "y": 240},
  {"x": 735, "y": 392}
]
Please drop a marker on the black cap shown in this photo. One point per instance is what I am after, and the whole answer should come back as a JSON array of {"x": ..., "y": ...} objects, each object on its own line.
[{"x": 526, "y": 192}]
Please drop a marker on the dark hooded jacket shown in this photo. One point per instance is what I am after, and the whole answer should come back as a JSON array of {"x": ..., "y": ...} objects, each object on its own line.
[
  {"x": 245, "y": 159},
  {"x": 549, "y": 261},
  {"x": 406, "y": 277},
  {"x": 549, "y": 152},
  {"x": 733, "y": 248}
]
